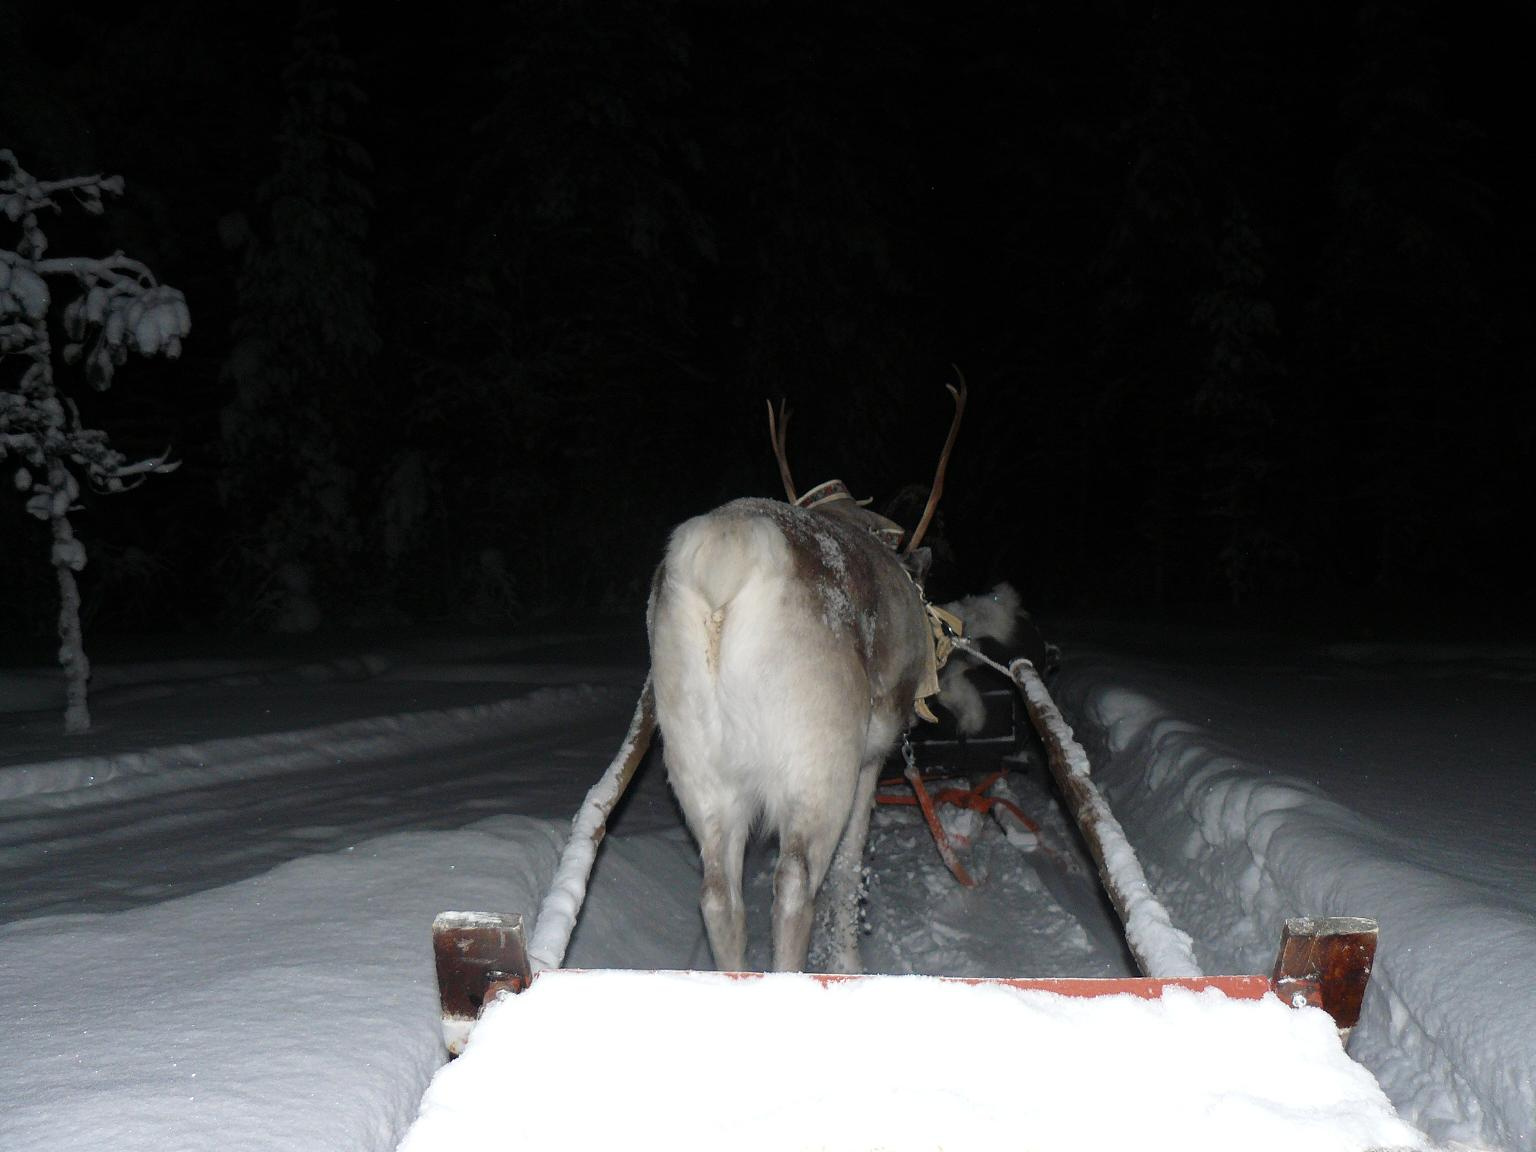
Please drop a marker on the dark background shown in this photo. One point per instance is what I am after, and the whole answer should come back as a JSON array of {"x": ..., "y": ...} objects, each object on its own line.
[{"x": 485, "y": 297}]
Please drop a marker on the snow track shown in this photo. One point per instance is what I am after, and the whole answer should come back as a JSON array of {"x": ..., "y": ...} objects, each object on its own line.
[
  {"x": 120, "y": 777},
  {"x": 106, "y": 832}
]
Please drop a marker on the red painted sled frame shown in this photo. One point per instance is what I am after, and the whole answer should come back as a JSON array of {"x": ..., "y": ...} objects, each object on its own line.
[{"x": 1323, "y": 962}]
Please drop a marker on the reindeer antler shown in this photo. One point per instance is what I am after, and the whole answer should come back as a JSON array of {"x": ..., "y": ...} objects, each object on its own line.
[
  {"x": 779, "y": 434},
  {"x": 938, "y": 478}
]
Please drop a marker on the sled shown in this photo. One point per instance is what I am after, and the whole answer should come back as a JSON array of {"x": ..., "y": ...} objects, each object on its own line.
[
  {"x": 1321, "y": 962},
  {"x": 781, "y": 1060}
]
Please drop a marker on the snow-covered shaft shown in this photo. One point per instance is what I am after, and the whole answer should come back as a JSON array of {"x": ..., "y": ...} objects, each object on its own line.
[
  {"x": 1160, "y": 948},
  {"x": 562, "y": 903}
]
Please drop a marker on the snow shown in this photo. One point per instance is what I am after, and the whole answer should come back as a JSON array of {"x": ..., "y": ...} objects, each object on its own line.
[
  {"x": 1173, "y": 1060},
  {"x": 216, "y": 906},
  {"x": 1394, "y": 784},
  {"x": 293, "y": 1010}
]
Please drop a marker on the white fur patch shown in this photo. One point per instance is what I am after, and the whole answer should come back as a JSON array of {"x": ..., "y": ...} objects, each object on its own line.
[{"x": 990, "y": 615}]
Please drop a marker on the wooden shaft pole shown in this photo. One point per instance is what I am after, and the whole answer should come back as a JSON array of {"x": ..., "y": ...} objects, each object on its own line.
[
  {"x": 1160, "y": 949},
  {"x": 562, "y": 903}
]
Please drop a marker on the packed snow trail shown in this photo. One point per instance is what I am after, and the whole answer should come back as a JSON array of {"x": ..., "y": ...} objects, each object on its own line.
[
  {"x": 75, "y": 853},
  {"x": 108, "y": 831},
  {"x": 115, "y": 827},
  {"x": 1035, "y": 913}
]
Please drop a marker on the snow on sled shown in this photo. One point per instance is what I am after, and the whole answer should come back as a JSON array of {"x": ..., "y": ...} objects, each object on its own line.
[
  {"x": 568, "y": 1059},
  {"x": 617, "y": 1059}
]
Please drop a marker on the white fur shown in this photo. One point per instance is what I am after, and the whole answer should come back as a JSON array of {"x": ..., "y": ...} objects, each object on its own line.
[
  {"x": 961, "y": 697},
  {"x": 991, "y": 615}
]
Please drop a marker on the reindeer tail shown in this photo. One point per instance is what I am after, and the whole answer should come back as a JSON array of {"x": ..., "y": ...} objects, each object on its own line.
[{"x": 712, "y": 562}]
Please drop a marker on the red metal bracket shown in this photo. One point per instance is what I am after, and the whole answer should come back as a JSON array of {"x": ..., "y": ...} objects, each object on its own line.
[
  {"x": 1326, "y": 961},
  {"x": 479, "y": 955}
]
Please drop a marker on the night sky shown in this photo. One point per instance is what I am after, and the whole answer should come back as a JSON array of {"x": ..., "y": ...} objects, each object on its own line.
[{"x": 486, "y": 297}]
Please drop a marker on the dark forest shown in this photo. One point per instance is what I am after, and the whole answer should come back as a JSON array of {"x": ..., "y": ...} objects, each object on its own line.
[{"x": 485, "y": 298}]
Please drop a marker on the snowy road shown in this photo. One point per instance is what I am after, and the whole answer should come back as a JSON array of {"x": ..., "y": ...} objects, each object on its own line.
[
  {"x": 198, "y": 816},
  {"x": 106, "y": 833}
]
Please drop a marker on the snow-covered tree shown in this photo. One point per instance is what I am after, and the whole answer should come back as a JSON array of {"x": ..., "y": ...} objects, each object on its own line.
[
  {"x": 590, "y": 260},
  {"x": 116, "y": 306},
  {"x": 304, "y": 339},
  {"x": 1234, "y": 403},
  {"x": 1146, "y": 353},
  {"x": 1401, "y": 339}
]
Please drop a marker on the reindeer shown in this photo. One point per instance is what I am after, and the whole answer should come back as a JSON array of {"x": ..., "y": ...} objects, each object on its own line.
[{"x": 791, "y": 646}]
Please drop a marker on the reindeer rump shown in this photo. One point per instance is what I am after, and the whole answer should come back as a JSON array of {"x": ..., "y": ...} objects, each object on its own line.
[{"x": 782, "y": 651}]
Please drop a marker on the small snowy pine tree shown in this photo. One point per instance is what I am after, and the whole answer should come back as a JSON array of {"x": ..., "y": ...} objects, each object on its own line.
[{"x": 120, "y": 307}]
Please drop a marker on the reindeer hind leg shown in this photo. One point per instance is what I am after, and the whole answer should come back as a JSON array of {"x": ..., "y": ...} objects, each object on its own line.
[
  {"x": 721, "y": 849},
  {"x": 805, "y": 852},
  {"x": 845, "y": 879}
]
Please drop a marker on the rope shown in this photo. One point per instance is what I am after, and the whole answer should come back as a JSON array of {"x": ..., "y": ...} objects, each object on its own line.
[{"x": 970, "y": 648}]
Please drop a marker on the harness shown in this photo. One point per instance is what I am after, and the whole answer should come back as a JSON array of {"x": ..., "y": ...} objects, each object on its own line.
[{"x": 943, "y": 627}]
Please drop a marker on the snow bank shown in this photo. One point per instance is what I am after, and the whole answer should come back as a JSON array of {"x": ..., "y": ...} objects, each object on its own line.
[
  {"x": 295, "y": 1010},
  {"x": 700, "y": 1061},
  {"x": 1234, "y": 847}
]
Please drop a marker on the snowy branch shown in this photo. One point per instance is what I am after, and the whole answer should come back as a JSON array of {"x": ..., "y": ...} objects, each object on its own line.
[
  {"x": 22, "y": 194},
  {"x": 121, "y": 272}
]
